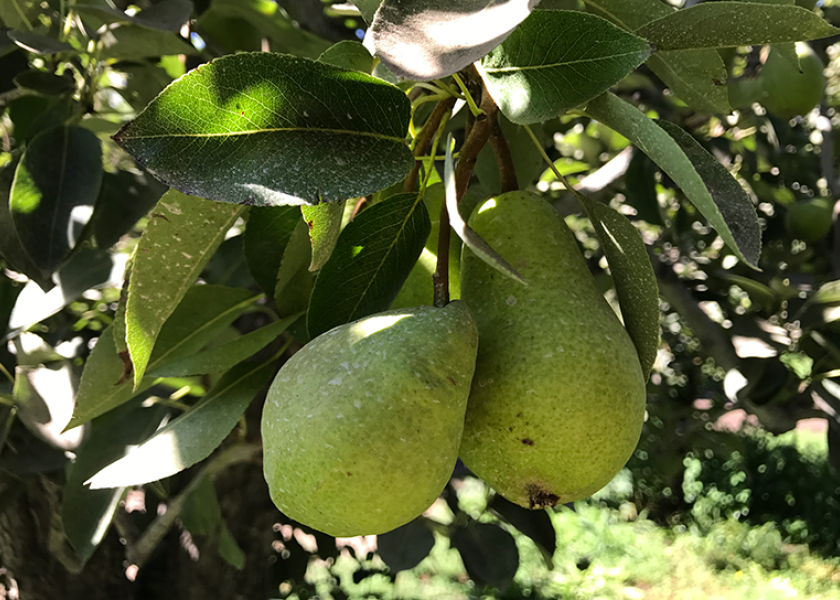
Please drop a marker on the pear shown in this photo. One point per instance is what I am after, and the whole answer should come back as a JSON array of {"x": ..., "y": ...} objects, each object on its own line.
[
  {"x": 361, "y": 427},
  {"x": 558, "y": 398}
]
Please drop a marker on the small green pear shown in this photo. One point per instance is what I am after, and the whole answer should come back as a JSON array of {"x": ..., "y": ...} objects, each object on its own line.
[
  {"x": 558, "y": 398},
  {"x": 361, "y": 427}
]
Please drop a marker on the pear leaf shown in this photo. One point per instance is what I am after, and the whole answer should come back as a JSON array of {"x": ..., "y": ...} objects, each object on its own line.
[
  {"x": 371, "y": 260},
  {"x": 404, "y": 547},
  {"x": 728, "y": 24},
  {"x": 268, "y": 231},
  {"x": 180, "y": 238},
  {"x": 633, "y": 276},
  {"x": 60, "y": 170},
  {"x": 38, "y": 43},
  {"x": 348, "y": 54},
  {"x": 324, "y": 222},
  {"x": 226, "y": 356},
  {"x": 556, "y": 60},
  {"x": 85, "y": 513},
  {"x": 266, "y": 129},
  {"x": 203, "y": 313},
  {"x": 489, "y": 554},
  {"x": 429, "y": 39},
  {"x": 734, "y": 221},
  {"x": 168, "y": 15},
  {"x": 695, "y": 76},
  {"x": 191, "y": 437}
]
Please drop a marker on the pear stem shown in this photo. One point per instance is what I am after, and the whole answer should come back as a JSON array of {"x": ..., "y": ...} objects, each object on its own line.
[
  {"x": 477, "y": 137},
  {"x": 504, "y": 159},
  {"x": 424, "y": 139}
]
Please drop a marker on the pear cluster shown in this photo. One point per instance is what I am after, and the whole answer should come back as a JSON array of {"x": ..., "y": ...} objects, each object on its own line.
[{"x": 537, "y": 387}]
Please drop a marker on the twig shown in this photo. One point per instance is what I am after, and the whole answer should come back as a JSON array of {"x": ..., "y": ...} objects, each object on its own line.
[
  {"x": 424, "y": 139},
  {"x": 504, "y": 160}
]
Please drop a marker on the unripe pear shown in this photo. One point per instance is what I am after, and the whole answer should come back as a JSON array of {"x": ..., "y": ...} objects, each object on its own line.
[
  {"x": 810, "y": 220},
  {"x": 361, "y": 427},
  {"x": 558, "y": 398}
]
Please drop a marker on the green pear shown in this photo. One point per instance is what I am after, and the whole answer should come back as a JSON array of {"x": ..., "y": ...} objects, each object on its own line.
[
  {"x": 361, "y": 427},
  {"x": 558, "y": 398}
]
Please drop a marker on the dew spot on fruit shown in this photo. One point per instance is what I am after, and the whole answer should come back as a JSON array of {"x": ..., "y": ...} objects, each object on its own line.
[
  {"x": 511, "y": 301},
  {"x": 357, "y": 404},
  {"x": 336, "y": 381},
  {"x": 339, "y": 416}
]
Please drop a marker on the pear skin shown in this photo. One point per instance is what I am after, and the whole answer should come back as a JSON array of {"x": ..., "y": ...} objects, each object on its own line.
[
  {"x": 361, "y": 427},
  {"x": 558, "y": 397}
]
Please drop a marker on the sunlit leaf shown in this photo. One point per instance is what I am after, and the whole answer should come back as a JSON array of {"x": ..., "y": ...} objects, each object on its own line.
[
  {"x": 556, "y": 60},
  {"x": 269, "y": 129}
]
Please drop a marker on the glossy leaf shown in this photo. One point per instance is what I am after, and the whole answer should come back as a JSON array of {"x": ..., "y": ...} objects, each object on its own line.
[
  {"x": 168, "y": 15},
  {"x": 324, "y": 222},
  {"x": 86, "y": 514},
  {"x": 38, "y": 43},
  {"x": 404, "y": 547},
  {"x": 85, "y": 270},
  {"x": 557, "y": 60},
  {"x": 180, "y": 238},
  {"x": 204, "y": 312},
  {"x": 489, "y": 554},
  {"x": 264, "y": 129},
  {"x": 727, "y": 24},
  {"x": 226, "y": 356},
  {"x": 124, "y": 197},
  {"x": 191, "y": 437},
  {"x": 268, "y": 231},
  {"x": 131, "y": 42},
  {"x": 429, "y": 39},
  {"x": 60, "y": 170},
  {"x": 737, "y": 226},
  {"x": 348, "y": 54},
  {"x": 11, "y": 248},
  {"x": 633, "y": 277},
  {"x": 695, "y": 76},
  {"x": 372, "y": 259}
]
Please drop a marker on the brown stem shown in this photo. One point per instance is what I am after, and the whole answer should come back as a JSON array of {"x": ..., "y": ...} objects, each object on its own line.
[
  {"x": 424, "y": 140},
  {"x": 477, "y": 137},
  {"x": 504, "y": 160}
]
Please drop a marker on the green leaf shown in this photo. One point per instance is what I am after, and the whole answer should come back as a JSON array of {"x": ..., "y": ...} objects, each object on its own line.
[
  {"x": 633, "y": 276},
  {"x": 37, "y": 43},
  {"x": 265, "y": 129},
  {"x": 294, "y": 280},
  {"x": 202, "y": 515},
  {"x": 224, "y": 357},
  {"x": 193, "y": 436},
  {"x": 85, "y": 513},
  {"x": 124, "y": 197},
  {"x": 430, "y": 39},
  {"x": 727, "y": 24},
  {"x": 348, "y": 54},
  {"x": 266, "y": 235},
  {"x": 204, "y": 312},
  {"x": 557, "y": 60},
  {"x": 60, "y": 170},
  {"x": 324, "y": 221},
  {"x": 180, "y": 238},
  {"x": 168, "y": 15},
  {"x": 734, "y": 221},
  {"x": 372, "y": 259},
  {"x": 695, "y": 76},
  {"x": 131, "y": 42},
  {"x": 11, "y": 248}
]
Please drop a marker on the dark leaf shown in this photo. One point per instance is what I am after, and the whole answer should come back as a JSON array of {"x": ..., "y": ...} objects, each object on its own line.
[
  {"x": 37, "y": 43},
  {"x": 124, "y": 197},
  {"x": 266, "y": 235},
  {"x": 372, "y": 259},
  {"x": 168, "y": 15},
  {"x": 45, "y": 83},
  {"x": 536, "y": 524},
  {"x": 489, "y": 554},
  {"x": 87, "y": 513},
  {"x": 262, "y": 128},
  {"x": 404, "y": 547},
  {"x": 131, "y": 42},
  {"x": 60, "y": 170},
  {"x": 228, "y": 266}
]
